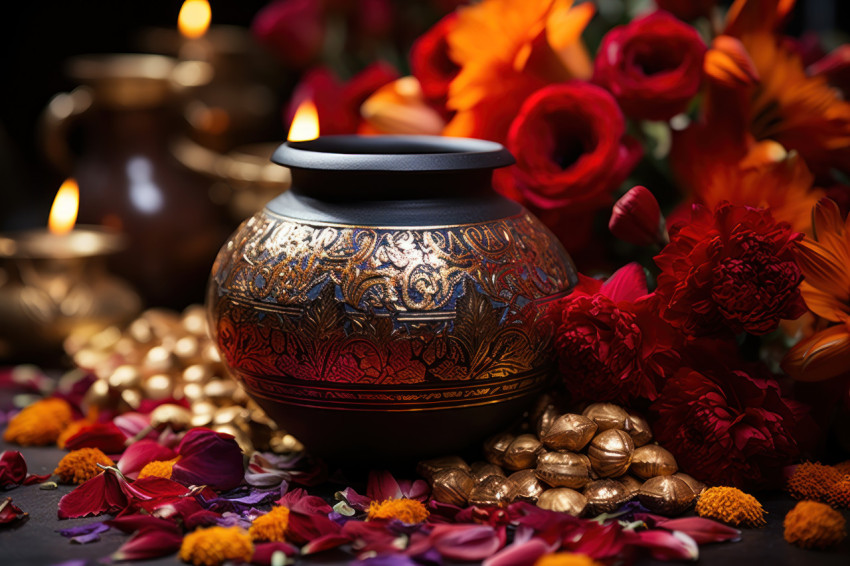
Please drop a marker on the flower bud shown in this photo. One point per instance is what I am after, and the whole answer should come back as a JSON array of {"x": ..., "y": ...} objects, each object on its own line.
[{"x": 636, "y": 218}]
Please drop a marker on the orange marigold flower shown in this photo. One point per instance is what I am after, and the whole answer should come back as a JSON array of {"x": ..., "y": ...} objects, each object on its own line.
[
  {"x": 814, "y": 525},
  {"x": 215, "y": 545},
  {"x": 79, "y": 466},
  {"x": 838, "y": 495},
  {"x": 843, "y": 467},
  {"x": 566, "y": 559},
  {"x": 811, "y": 480},
  {"x": 825, "y": 263},
  {"x": 271, "y": 526},
  {"x": 70, "y": 431},
  {"x": 731, "y": 505},
  {"x": 408, "y": 511},
  {"x": 39, "y": 424},
  {"x": 158, "y": 469}
]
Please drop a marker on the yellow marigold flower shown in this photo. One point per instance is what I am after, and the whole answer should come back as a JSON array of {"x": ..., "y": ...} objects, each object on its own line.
[
  {"x": 838, "y": 495},
  {"x": 158, "y": 469},
  {"x": 811, "y": 480},
  {"x": 80, "y": 465},
  {"x": 814, "y": 525},
  {"x": 212, "y": 546},
  {"x": 39, "y": 424},
  {"x": 271, "y": 526},
  {"x": 566, "y": 559},
  {"x": 407, "y": 511},
  {"x": 731, "y": 505}
]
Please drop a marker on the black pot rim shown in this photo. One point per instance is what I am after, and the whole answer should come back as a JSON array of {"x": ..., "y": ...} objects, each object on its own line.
[{"x": 392, "y": 153}]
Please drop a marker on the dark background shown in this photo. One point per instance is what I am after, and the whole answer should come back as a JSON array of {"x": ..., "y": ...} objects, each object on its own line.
[{"x": 37, "y": 37}]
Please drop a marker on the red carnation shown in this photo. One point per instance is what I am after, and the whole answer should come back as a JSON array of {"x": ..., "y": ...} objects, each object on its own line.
[
  {"x": 732, "y": 269},
  {"x": 728, "y": 426},
  {"x": 652, "y": 66},
  {"x": 430, "y": 62},
  {"x": 571, "y": 149},
  {"x": 687, "y": 9},
  {"x": 611, "y": 344}
]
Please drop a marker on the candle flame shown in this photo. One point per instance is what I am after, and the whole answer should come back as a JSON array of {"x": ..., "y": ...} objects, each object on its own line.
[
  {"x": 63, "y": 213},
  {"x": 194, "y": 18},
  {"x": 305, "y": 123}
]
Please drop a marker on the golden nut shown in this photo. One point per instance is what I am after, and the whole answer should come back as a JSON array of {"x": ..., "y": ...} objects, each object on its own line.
[
  {"x": 494, "y": 491},
  {"x": 528, "y": 487},
  {"x": 194, "y": 320},
  {"x": 522, "y": 452},
  {"x": 196, "y": 373},
  {"x": 545, "y": 420},
  {"x": 696, "y": 486},
  {"x": 428, "y": 468},
  {"x": 563, "y": 500},
  {"x": 158, "y": 387},
  {"x": 639, "y": 430},
  {"x": 158, "y": 359},
  {"x": 452, "y": 485},
  {"x": 125, "y": 377},
  {"x": 605, "y": 496},
  {"x": 481, "y": 470},
  {"x": 569, "y": 432},
  {"x": 186, "y": 348},
  {"x": 653, "y": 460},
  {"x": 610, "y": 453},
  {"x": 666, "y": 495},
  {"x": 496, "y": 446},
  {"x": 606, "y": 416},
  {"x": 543, "y": 403},
  {"x": 221, "y": 389},
  {"x": 174, "y": 416},
  {"x": 631, "y": 483},
  {"x": 563, "y": 469},
  {"x": 235, "y": 415}
]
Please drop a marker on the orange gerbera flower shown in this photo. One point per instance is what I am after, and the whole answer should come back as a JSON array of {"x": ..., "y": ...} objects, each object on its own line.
[
  {"x": 825, "y": 262},
  {"x": 507, "y": 49}
]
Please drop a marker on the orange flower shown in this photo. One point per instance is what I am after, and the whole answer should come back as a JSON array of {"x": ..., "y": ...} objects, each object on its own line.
[
  {"x": 825, "y": 262},
  {"x": 507, "y": 49}
]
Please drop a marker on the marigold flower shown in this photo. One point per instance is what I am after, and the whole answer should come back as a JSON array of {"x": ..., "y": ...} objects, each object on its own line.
[
  {"x": 272, "y": 526},
  {"x": 814, "y": 525},
  {"x": 843, "y": 467},
  {"x": 80, "y": 465},
  {"x": 812, "y": 480},
  {"x": 39, "y": 424},
  {"x": 158, "y": 469},
  {"x": 838, "y": 495},
  {"x": 408, "y": 511},
  {"x": 566, "y": 559},
  {"x": 213, "y": 546},
  {"x": 732, "y": 506},
  {"x": 70, "y": 431}
]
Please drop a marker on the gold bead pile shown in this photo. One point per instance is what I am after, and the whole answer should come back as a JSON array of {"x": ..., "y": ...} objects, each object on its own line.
[
  {"x": 582, "y": 464},
  {"x": 168, "y": 355}
]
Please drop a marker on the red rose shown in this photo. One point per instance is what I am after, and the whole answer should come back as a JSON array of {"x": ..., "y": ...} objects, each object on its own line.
[
  {"x": 339, "y": 103},
  {"x": 610, "y": 342},
  {"x": 687, "y": 9},
  {"x": 570, "y": 146},
  {"x": 728, "y": 426},
  {"x": 652, "y": 66},
  {"x": 730, "y": 270},
  {"x": 430, "y": 62},
  {"x": 293, "y": 30}
]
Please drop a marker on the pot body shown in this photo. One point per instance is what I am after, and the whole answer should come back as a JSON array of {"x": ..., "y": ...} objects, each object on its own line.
[{"x": 395, "y": 328}]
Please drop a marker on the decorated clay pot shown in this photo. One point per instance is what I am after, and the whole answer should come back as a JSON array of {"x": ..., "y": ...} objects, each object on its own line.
[{"x": 390, "y": 302}]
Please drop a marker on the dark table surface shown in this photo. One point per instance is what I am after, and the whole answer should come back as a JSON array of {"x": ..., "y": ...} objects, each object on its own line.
[{"x": 36, "y": 542}]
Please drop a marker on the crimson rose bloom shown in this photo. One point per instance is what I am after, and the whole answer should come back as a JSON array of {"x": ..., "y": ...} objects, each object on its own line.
[
  {"x": 728, "y": 426},
  {"x": 610, "y": 342},
  {"x": 652, "y": 66},
  {"x": 570, "y": 146},
  {"x": 732, "y": 269},
  {"x": 430, "y": 62},
  {"x": 687, "y": 9}
]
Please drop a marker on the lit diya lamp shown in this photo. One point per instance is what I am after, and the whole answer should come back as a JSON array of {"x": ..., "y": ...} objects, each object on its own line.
[
  {"x": 390, "y": 304},
  {"x": 54, "y": 282}
]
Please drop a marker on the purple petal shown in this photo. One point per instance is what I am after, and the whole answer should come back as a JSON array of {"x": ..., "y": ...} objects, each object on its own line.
[
  {"x": 388, "y": 560},
  {"x": 209, "y": 458},
  {"x": 97, "y": 527}
]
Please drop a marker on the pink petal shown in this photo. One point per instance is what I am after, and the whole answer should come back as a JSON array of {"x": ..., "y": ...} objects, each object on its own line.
[
  {"x": 140, "y": 454},
  {"x": 664, "y": 545},
  {"x": 626, "y": 284},
  {"x": 151, "y": 487},
  {"x": 13, "y": 469},
  {"x": 326, "y": 542},
  {"x": 701, "y": 530},
  {"x": 465, "y": 542},
  {"x": 371, "y": 536},
  {"x": 264, "y": 552},
  {"x": 10, "y": 512},
  {"x": 357, "y": 501},
  {"x": 132, "y": 523},
  {"x": 132, "y": 424},
  {"x": 525, "y": 553},
  {"x": 382, "y": 485},
  {"x": 35, "y": 478},
  {"x": 297, "y": 500},
  {"x": 150, "y": 543},
  {"x": 209, "y": 458},
  {"x": 105, "y": 436}
]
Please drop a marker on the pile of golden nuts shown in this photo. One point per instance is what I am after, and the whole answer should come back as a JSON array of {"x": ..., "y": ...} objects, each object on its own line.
[
  {"x": 583, "y": 464},
  {"x": 165, "y": 355}
]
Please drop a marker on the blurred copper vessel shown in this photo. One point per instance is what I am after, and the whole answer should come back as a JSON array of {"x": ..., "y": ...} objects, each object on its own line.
[{"x": 389, "y": 304}]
